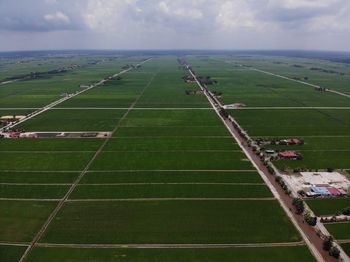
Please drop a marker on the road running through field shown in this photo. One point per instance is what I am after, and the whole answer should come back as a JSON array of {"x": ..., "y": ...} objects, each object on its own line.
[
  {"x": 313, "y": 242},
  {"x": 301, "y": 82},
  {"x": 59, "y": 101}
]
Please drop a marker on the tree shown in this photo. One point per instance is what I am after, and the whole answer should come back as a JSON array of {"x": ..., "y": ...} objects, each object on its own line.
[
  {"x": 311, "y": 220},
  {"x": 346, "y": 211},
  {"x": 328, "y": 243},
  {"x": 299, "y": 205},
  {"x": 334, "y": 252}
]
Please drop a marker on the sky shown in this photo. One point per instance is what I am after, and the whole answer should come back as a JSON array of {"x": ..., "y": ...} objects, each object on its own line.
[{"x": 175, "y": 24}]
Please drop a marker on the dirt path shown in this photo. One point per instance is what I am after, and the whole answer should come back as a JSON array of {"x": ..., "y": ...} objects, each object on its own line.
[
  {"x": 288, "y": 244},
  {"x": 79, "y": 178},
  {"x": 308, "y": 233}
]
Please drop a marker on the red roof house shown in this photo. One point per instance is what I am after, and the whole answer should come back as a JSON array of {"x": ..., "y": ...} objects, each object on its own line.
[{"x": 288, "y": 154}]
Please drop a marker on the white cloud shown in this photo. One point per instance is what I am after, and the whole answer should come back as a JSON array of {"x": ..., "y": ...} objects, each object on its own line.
[
  {"x": 236, "y": 14},
  {"x": 57, "y": 17}
]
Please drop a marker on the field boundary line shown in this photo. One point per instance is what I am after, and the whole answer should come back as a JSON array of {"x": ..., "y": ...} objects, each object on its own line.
[
  {"x": 82, "y": 174},
  {"x": 126, "y": 246},
  {"x": 170, "y": 199}
]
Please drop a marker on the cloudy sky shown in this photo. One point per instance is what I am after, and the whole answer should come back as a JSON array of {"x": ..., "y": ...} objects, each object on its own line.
[{"x": 174, "y": 24}]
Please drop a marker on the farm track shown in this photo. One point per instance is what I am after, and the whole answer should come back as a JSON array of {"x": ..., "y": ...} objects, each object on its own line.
[
  {"x": 285, "y": 244},
  {"x": 82, "y": 174}
]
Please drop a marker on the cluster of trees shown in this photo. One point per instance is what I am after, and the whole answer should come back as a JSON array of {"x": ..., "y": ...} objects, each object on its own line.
[
  {"x": 284, "y": 186},
  {"x": 311, "y": 220},
  {"x": 326, "y": 71},
  {"x": 299, "y": 205},
  {"x": 207, "y": 80},
  {"x": 328, "y": 245}
]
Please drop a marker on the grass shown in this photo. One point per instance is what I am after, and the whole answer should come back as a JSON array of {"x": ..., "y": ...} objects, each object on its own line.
[
  {"x": 339, "y": 230},
  {"x": 170, "y": 191},
  {"x": 346, "y": 248},
  {"x": 44, "y": 161},
  {"x": 171, "y": 177},
  {"x": 74, "y": 120},
  {"x": 165, "y": 144},
  {"x": 171, "y": 222},
  {"x": 324, "y": 207},
  {"x": 11, "y": 253},
  {"x": 21, "y": 220},
  {"x": 174, "y": 131},
  {"x": 33, "y": 191},
  {"x": 49, "y": 144},
  {"x": 304, "y": 122},
  {"x": 171, "y": 161},
  {"x": 38, "y": 177},
  {"x": 287, "y": 254}
]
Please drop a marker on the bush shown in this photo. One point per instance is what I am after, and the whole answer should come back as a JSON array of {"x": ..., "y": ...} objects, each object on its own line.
[
  {"x": 328, "y": 243},
  {"x": 346, "y": 211},
  {"x": 334, "y": 252},
  {"x": 311, "y": 220},
  {"x": 299, "y": 205}
]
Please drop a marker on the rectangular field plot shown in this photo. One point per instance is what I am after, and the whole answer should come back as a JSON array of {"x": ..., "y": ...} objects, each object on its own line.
[
  {"x": 113, "y": 93},
  {"x": 171, "y": 118},
  {"x": 48, "y": 144},
  {"x": 176, "y": 222},
  {"x": 38, "y": 177},
  {"x": 21, "y": 220},
  {"x": 171, "y": 177},
  {"x": 166, "y": 131},
  {"x": 171, "y": 144},
  {"x": 256, "y": 89},
  {"x": 54, "y": 161},
  {"x": 170, "y": 191},
  {"x": 74, "y": 120},
  {"x": 324, "y": 207},
  {"x": 11, "y": 253},
  {"x": 340, "y": 231},
  {"x": 171, "y": 161},
  {"x": 318, "y": 160},
  {"x": 33, "y": 191},
  {"x": 294, "y": 122},
  {"x": 274, "y": 254}
]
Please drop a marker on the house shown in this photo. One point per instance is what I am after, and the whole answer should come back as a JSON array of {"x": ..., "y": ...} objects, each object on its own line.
[
  {"x": 289, "y": 155},
  {"x": 295, "y": 141}
]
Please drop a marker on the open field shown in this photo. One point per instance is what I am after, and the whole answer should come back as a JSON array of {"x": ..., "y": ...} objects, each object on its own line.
[
  {"x": 142, "y": 191},
  {"x": 323, "y": 207},
  {"x": 11, "y": 253},
  {"x": 20, "y": 220},
  {"x": 339, "y": 230},
  {"x": 170, "y": 174},
  {"x": 288, "y": 254},
  {"x": 172, "y": 177},
  {"x": 171, "y": 222}
]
